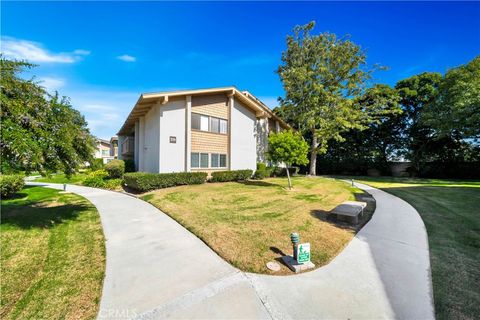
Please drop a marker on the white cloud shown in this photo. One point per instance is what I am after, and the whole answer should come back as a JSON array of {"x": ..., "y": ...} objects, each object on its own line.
[
  {"x": 51, "y": 83},
  {"x": 127, "y": 58},
  {"x": 34, "y": 52}
]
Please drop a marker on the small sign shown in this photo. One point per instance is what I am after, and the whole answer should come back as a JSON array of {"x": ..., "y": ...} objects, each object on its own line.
[
  {"x": 173, "y": 139},
  {"x": 303, "y": 253}
]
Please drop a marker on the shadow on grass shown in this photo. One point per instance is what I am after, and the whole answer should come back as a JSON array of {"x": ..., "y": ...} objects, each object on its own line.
[
  {"x": 31, "y": 215},
  {"x": 259, "y": 183}
]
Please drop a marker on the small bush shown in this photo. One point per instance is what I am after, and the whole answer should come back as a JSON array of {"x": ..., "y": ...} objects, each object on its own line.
[
  {"x": 282, "y": 172},
  {"x": 10, "y": 184},
  {"x": 95, "y": 182},
  {"x": 96, "y": 164},
  {"x": 113, "y": 184},
  {"x": 231, "y": 175},
  {"x": 144, "y": 181},
  {"x": 262, "y": 171},
  {"x": 102, "y": 174},
  {"x": 129, "y": 165},
  {"x": 115, "y": 169}
]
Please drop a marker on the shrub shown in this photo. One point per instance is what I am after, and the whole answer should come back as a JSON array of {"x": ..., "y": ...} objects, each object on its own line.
[
  {"x": 115, "y": 168},
  {"x": 262, "y": 171},
  {"x": 144, "y": 181},
  {"x": 112, "y": 184},
  {"x": 231, "y": 175},
  {"x": 96, "y": 164},
  {"x": 282, "y": 172},
  {"x": 102, "y": 174},
  {"x": 94, "y": 181},
  {"x": 129, "y": 165},
  {"x": 10, "y": 184}
]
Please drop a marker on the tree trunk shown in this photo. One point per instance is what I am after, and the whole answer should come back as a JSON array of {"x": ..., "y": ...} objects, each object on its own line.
[
  {"x": 288, "y": 176},
  {"x": 313, "y": 155}
]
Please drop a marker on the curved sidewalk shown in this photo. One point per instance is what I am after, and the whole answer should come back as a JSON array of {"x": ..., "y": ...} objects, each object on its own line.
[{"x": 157, "y": 269}]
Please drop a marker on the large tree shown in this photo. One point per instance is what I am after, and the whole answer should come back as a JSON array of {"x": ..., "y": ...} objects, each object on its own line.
[
  {"x": 40, "y": 132},
  {"x": 417, "y": 94},
  {"x": 321, "y": 76},
  {"x": 456, "y": 110}
]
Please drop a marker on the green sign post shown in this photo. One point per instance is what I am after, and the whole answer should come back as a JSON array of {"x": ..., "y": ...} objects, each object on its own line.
[{"x": 303, "y": 253}]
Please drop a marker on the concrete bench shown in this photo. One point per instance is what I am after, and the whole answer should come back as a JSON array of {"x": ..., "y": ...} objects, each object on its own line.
[{"x": 349, "y": 211}]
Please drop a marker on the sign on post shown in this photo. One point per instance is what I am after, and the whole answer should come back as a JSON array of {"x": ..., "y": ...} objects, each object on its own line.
[{"x": 303, "y": 253}]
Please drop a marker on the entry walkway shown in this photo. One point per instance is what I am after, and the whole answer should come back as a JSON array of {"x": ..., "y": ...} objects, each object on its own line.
[{"x": 157, "y": 269}]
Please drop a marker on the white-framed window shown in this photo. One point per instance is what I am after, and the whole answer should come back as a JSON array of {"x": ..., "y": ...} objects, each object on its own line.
[
  {"x": 199, "y": 160},
  {"x": 218, "y": 160},
  {"x": 210, "y": 124},
  {"x": 200, "y": 122}
]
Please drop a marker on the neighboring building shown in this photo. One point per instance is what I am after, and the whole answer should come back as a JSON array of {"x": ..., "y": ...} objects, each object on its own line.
[
  {"x": 197, "y": 130},
  {"x": 114, "y": 147},
  {"x": 103, "y": 151}
]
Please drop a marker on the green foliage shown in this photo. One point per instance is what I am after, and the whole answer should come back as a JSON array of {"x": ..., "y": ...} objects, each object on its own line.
[
  {"x": 115, "y": 168},
  {"x": 320, "y": 75},
  {"x": 144, "y": 181},
  {"x": 287, "y": 147},
  {"x": 97, "y": 164},
  {"x": 282, "y": 172},
  {"x": 129, "y": 165},
  {"x": 96, "y": 179},
  {"x": 262, "y": 171},
  {"x": 112, "y": 184},
  {"x": 40, "y": 132},
  {"x": 456, "y": 110},
  {"x": 231, "y": 175},
  {"x": 10, "y": 184}
]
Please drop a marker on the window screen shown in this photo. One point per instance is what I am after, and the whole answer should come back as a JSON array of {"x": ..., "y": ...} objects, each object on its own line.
[
  {"x": 223, "y": 160},
  {"x": 214, "y": 125},
  {"x": 194, "y": 160},
  {"x": 223, "y": 126},
  {"x": 203, "y": 160},
  {"x": 215, "y": 161}
]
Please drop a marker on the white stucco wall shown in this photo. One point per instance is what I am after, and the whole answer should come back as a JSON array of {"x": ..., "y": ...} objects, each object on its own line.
[
  {"x": 172, "y": 124},
  {"x": 261, "y": 135},
  {"x": 151, "y": 143},
  {"x": 243, "y": 151}
]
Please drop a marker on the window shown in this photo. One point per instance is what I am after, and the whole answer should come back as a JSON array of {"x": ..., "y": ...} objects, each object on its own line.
[
  {"x": 204, "y": 160},
  {"x": 105, "y": 152},
  {"x": 223, "y": 161},
  {"x": 211, "y": 124},
  {"x": 195, "y": 160},
  {"x": 223, "y": 126},
  {"x": 214, "y": 125},
  {"x": 218, "y": 160},
  {"x": 199, "y": 122}
]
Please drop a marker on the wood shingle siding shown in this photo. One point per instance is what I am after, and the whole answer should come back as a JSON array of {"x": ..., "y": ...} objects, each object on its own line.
[
  {"x": 209, "y": 142},
  {"x": 211, "y": 105}
]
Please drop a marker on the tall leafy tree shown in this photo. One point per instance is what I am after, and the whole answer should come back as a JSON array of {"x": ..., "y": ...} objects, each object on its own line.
[
  {"x": 321, "y": 75},
  {"x": 417, "y": 94},
  {"x": 456, "y": 110},
  {"x": 40, "y": 132}
]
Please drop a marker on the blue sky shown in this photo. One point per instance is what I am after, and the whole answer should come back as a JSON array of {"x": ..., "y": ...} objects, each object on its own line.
[{"x": 104, "y": 54}]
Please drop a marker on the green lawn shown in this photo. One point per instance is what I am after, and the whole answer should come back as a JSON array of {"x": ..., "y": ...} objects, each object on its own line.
[
  {"x": 52, "y": 256},
  {"x": 62, "y": 178},
  {"x": 249, "y": 223},
  {"x": 450, "y": 210}
]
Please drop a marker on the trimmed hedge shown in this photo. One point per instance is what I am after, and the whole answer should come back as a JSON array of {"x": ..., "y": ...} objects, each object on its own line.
[
  {"x": 129, "y": 165},
  {"x": 232, "y": 175},
  {"x": 115, "y": 169},
  {"x": 262, "y": 171},
  {"x": 11, "y": 183},
  {"x": 144, "y": 181}
]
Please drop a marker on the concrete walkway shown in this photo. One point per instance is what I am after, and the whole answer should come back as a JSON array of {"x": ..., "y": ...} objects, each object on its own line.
[{"x": 156, "y": 269}]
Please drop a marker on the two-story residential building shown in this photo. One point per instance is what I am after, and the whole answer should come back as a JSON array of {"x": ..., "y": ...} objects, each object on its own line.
[
  {"x": 197, "y": 130},
  {"x": 102, "y": 150}
]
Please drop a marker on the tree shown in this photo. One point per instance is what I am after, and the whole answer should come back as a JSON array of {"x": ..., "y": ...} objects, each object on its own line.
[
  {"x": 40, "y": 132},
  {"x": 417, "y": 94},
  {"x": 289, "y": 148},
  {"x": 457, "y": 107},
  {"x": 321, "y": 75}
]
